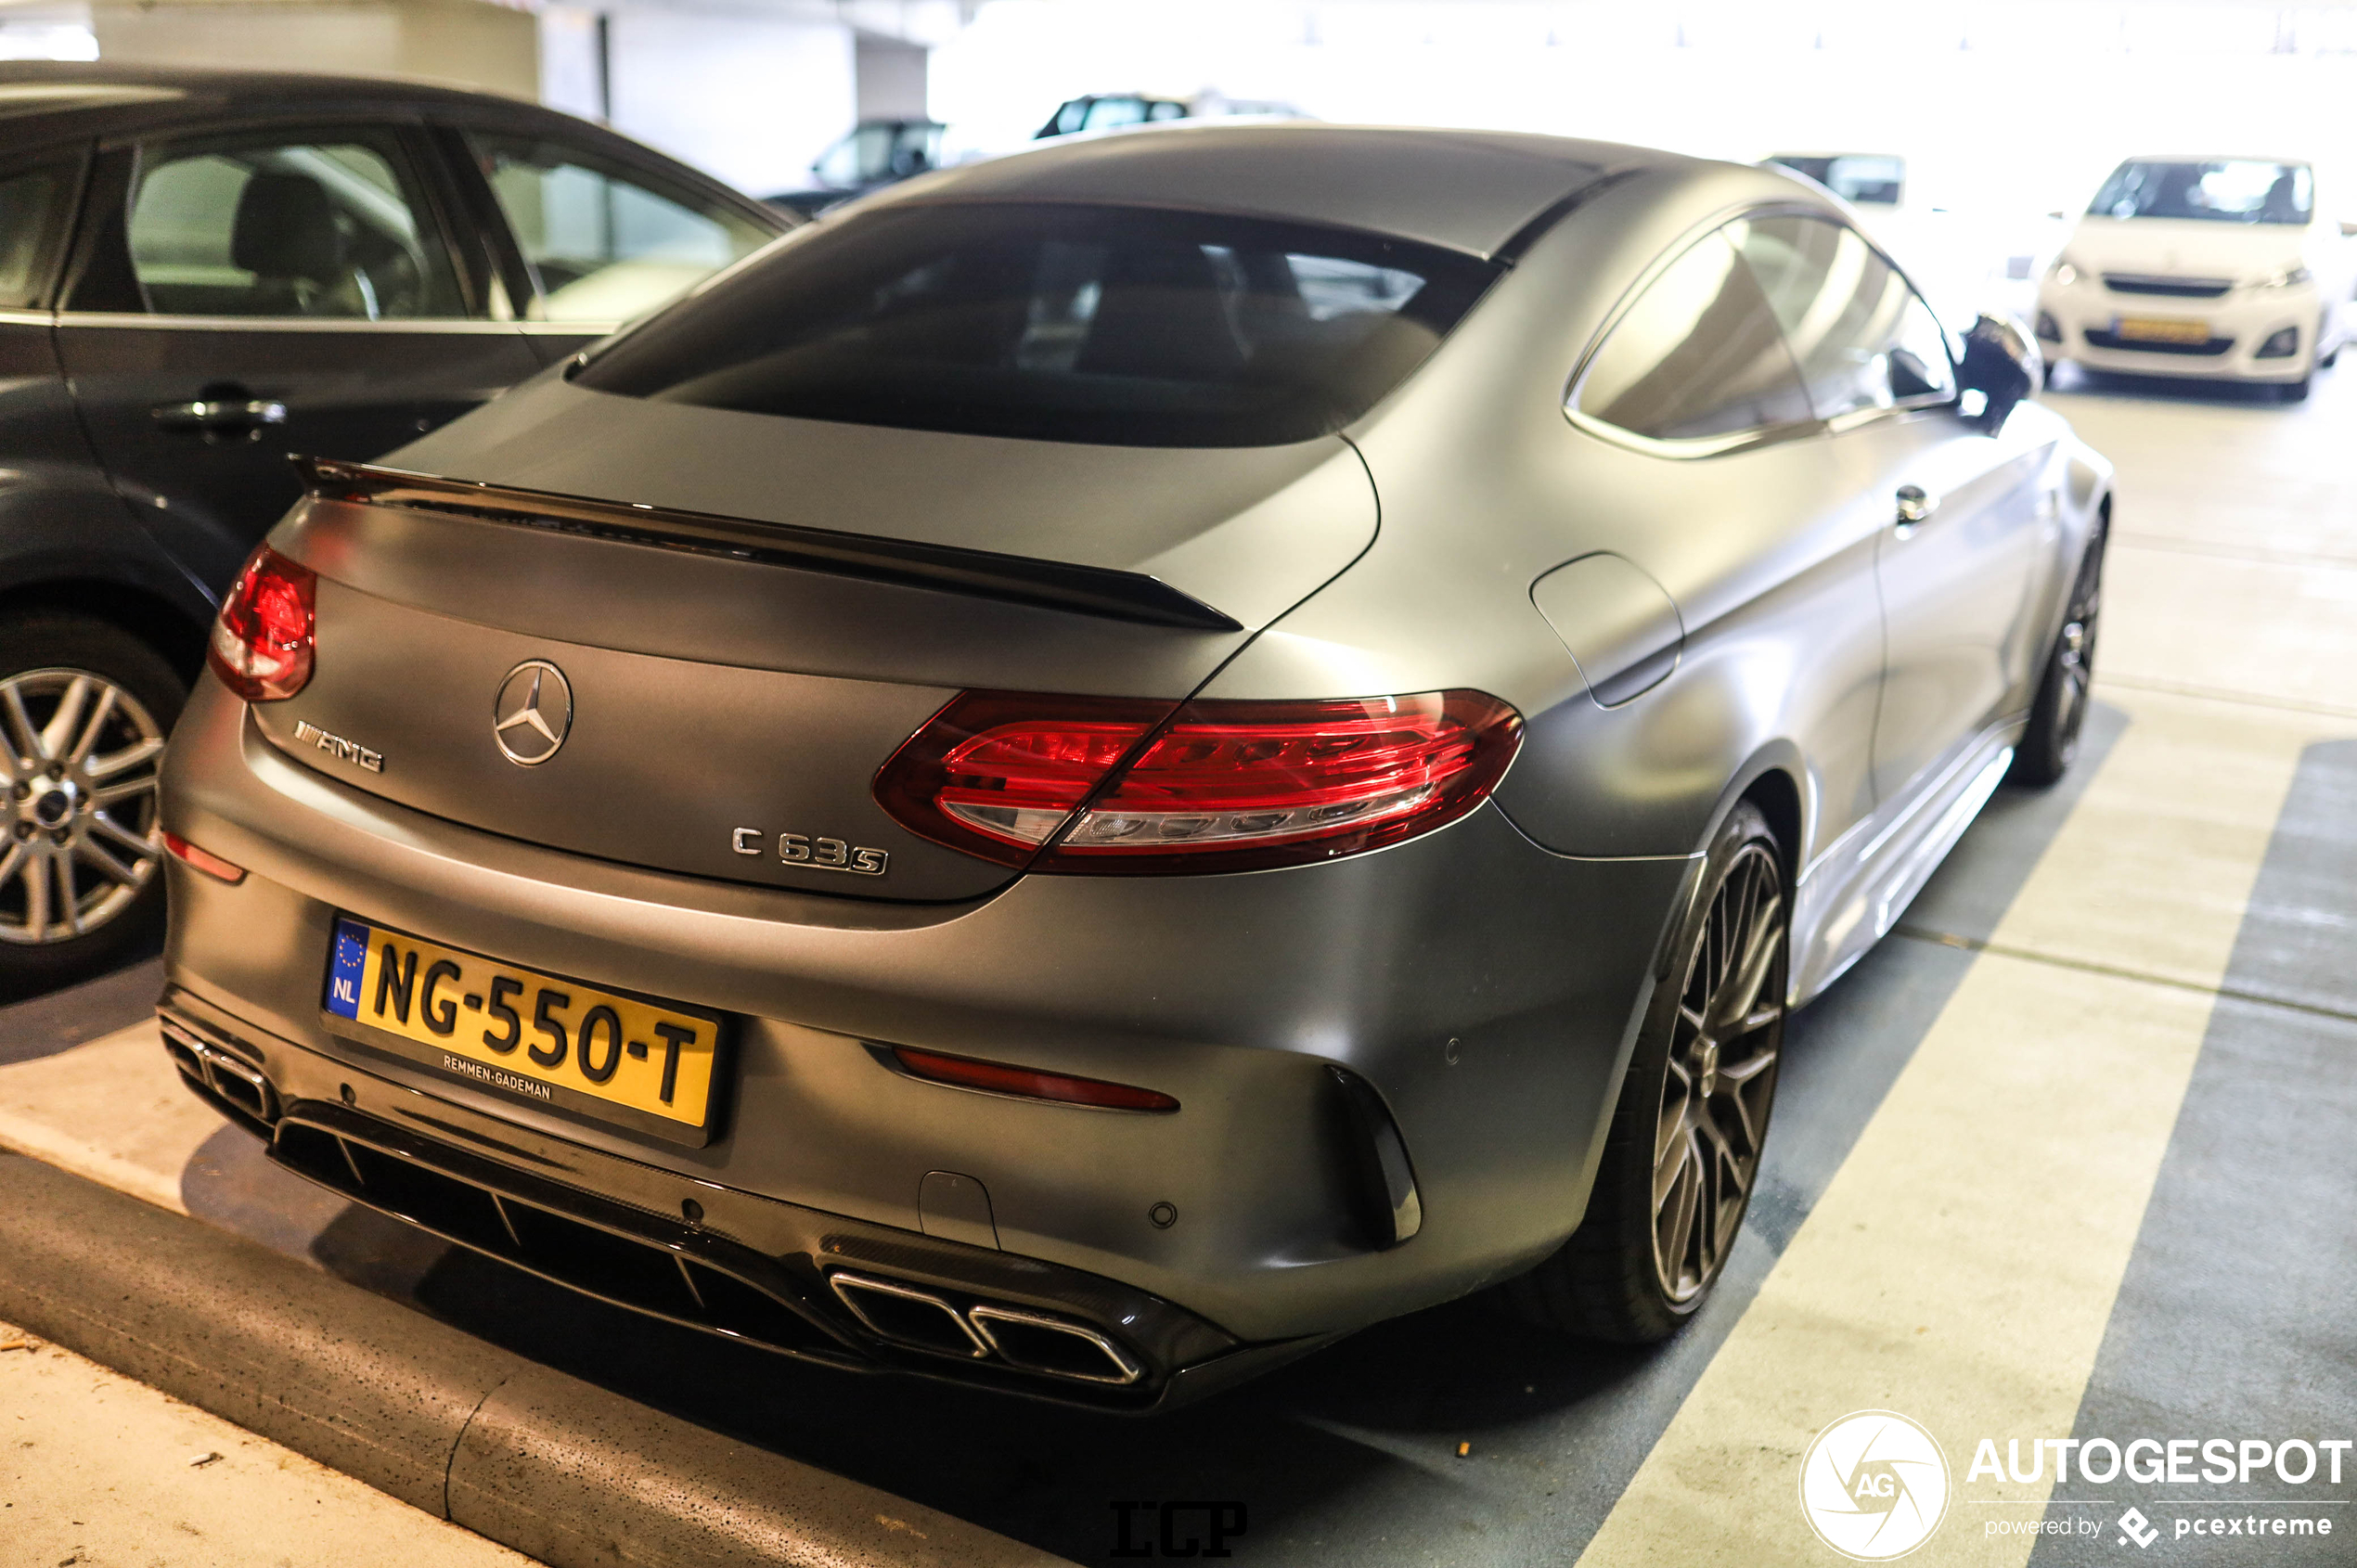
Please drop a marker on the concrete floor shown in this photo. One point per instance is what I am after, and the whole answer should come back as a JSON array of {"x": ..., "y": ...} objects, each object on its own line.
[{"x": 2072, "y": 1154}]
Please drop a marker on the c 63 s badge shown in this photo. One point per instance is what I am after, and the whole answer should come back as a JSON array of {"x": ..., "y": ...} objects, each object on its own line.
[{"x": 813, "y": 854}]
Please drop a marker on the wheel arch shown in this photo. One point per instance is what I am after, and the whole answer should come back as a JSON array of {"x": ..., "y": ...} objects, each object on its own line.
[{"x": 175, "y": 633}]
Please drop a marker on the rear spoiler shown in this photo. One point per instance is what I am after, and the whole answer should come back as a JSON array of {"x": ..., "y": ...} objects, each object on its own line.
[{"x": 1082, "y": 590}]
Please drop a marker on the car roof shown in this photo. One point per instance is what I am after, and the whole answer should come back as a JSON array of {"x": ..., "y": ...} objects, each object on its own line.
[
  {"x": 1468, "y": 190},
  {"x": 45, "y": 102}
]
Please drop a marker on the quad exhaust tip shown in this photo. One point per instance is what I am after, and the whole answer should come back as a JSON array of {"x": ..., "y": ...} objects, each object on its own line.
[
  {"x": 223, "y": 1075},
  {"x": 1032, "y": 1342}
]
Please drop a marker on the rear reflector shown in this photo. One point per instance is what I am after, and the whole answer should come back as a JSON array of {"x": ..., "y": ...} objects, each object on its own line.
[
  {"x": 264, "y": 637},
  {"x": 1108, "y": 785},
  {"x": 998, "y": 1078},
  {"x": 204, "y": 860}
]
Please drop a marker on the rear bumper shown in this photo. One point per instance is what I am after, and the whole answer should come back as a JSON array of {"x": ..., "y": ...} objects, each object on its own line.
[{"x": 1235, "y": 994}]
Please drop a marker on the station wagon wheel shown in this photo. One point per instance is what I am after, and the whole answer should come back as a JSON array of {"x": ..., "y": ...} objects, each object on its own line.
[
  {"x": 2050, "y": 744},
  {"x": 85, "y": 709},
  {"x": 1682, "y": 1156}
]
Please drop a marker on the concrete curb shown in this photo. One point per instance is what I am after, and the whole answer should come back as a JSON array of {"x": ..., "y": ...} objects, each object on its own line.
[{"x": 558, "y": 1469}]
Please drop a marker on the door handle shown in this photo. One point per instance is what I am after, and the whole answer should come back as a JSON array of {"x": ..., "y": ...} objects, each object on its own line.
[
  {"x": 1915, "y": 507},
  {"x": 220, "y": 416}
]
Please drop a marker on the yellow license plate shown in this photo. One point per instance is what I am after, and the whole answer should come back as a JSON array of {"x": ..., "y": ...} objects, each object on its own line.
[
  {"x": 609, "y": 1055},
  {"x": 2162, "y": 329}
]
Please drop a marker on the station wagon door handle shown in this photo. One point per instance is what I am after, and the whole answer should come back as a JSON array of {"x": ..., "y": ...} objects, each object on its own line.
[
  {"x": 217, "y": 417},
  {"x": 1915, "y": 507}
]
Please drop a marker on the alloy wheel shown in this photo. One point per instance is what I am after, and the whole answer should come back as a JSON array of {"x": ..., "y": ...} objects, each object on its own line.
[
  {"x": 1721, "y": 1076},
  {"x": 82, "y": 758},
  {"x": 2075, "y": 654}
]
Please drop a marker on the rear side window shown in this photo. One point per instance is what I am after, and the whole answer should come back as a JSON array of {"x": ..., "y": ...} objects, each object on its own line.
[
  {"x": 606, "y": 244},
  {"x": 28, "y": 213},
  {"x": 1862, "y": 338},
  {"x": 280, "y": 225},
  {"x": 1064, "y": 321},
  {"x": 1698, "y": 357}
]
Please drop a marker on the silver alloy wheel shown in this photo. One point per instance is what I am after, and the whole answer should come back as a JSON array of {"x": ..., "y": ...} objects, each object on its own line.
[
  {"x": 2076, "y": 651},
  {"x": 1721, "y": 1076},
  {"x": 82, "y": 756}
]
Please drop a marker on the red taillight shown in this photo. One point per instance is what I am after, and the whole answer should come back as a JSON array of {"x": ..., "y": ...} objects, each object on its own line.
[
  {"x": 1092, "y": 785},
  {"x": 998, "y": 1078},
  {"x": 262, "y": 639},
  {"x": 205, "y": 859}
]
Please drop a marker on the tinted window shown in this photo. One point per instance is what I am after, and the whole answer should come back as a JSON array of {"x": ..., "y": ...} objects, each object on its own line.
[
  {"x": 1862, "y": 337},
  {"x": 329, "y": 225},
  {"x": 1110, "y": 325},
  {"x": 1697, "y": 356},
  {"x": 2231, "y": 190},
  {"x": 606, "y": 243},
  {"x": 27, "y": 209}
]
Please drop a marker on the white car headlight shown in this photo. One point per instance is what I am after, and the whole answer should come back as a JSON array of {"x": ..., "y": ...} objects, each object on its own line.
[
  {"x": 2287, "y": 279},
  {"x": 2064, "y": 272}
]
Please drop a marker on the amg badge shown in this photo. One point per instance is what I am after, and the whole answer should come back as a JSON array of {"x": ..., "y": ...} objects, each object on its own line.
[
  {"x": 814, "y": 853},
  {"x": 338, "y": 747}
]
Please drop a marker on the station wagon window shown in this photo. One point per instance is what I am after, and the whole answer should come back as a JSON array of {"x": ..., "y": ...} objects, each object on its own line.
[
  {"x": 1698, "y": 357},
  {"x": 1864, "y": 339},
  {"x": 29, "y": 205},
  {"x": 607, "y": 245},
  {"x": 1061, "y": 321},
  {"x": 330, "y": 226}
]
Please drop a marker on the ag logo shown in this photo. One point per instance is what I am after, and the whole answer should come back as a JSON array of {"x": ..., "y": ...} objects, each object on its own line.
[{"x": 1874, "y": 1486}]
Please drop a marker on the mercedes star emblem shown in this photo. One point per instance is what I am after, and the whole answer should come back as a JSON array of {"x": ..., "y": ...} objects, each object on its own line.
[{"x": 533, "y": 712}]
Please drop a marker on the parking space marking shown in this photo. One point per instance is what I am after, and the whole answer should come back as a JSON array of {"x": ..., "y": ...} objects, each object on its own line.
[
  {"x": 1961, "y": 1267},
  {"x": 113, "y": 1110},
  {"x": 98, "y": 1469}
]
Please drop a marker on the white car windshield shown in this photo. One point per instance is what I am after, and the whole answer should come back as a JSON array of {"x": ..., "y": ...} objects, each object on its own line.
[{"x": 2227, "y": 190}]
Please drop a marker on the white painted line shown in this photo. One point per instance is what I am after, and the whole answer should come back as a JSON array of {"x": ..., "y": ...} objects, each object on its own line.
[{"x": 1962, "y": 1265}]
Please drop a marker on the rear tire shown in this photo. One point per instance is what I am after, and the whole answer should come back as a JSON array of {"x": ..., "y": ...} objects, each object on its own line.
[
  {"x": 84, "y": 708},
  {"x": 1683, "y": 1156},
  {"x": 2051, "y": 742}
]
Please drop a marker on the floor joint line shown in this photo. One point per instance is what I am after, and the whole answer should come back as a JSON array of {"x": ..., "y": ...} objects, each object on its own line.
[{"x": 2119, "y": 971}]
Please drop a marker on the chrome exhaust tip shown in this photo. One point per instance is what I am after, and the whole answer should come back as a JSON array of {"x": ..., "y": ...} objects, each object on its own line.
[
  {"x": 238, "y": 1083},
  {"x": 1054, "y": 1347},
  {"x": 909, "y": 1317}
]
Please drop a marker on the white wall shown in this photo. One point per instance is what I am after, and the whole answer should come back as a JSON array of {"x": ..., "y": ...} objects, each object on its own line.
[{"x": 751, "y": 97}]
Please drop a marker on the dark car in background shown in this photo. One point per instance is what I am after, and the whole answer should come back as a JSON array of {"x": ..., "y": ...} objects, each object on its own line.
[
  {"x": 200, "y": 274},
  {"x": 872, "y": 153}
]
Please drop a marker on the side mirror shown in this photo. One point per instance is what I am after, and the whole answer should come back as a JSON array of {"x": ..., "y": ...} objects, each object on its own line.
[
  {"x": 2002, "y": 366},
  {"x": 2348, "y": 229}
]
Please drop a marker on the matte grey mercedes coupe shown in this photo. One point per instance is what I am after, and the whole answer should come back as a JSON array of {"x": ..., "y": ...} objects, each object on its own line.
[{"x": 1110, "y": 765}]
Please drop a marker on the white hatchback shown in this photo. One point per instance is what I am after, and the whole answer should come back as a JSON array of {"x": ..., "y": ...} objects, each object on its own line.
[{"x": 2225, "y": 267}]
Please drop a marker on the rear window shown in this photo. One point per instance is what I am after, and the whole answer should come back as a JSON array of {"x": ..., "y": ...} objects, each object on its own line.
[
  {"x": 1059, "y": 322},
  {"x": 2229, "y": 190}
]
